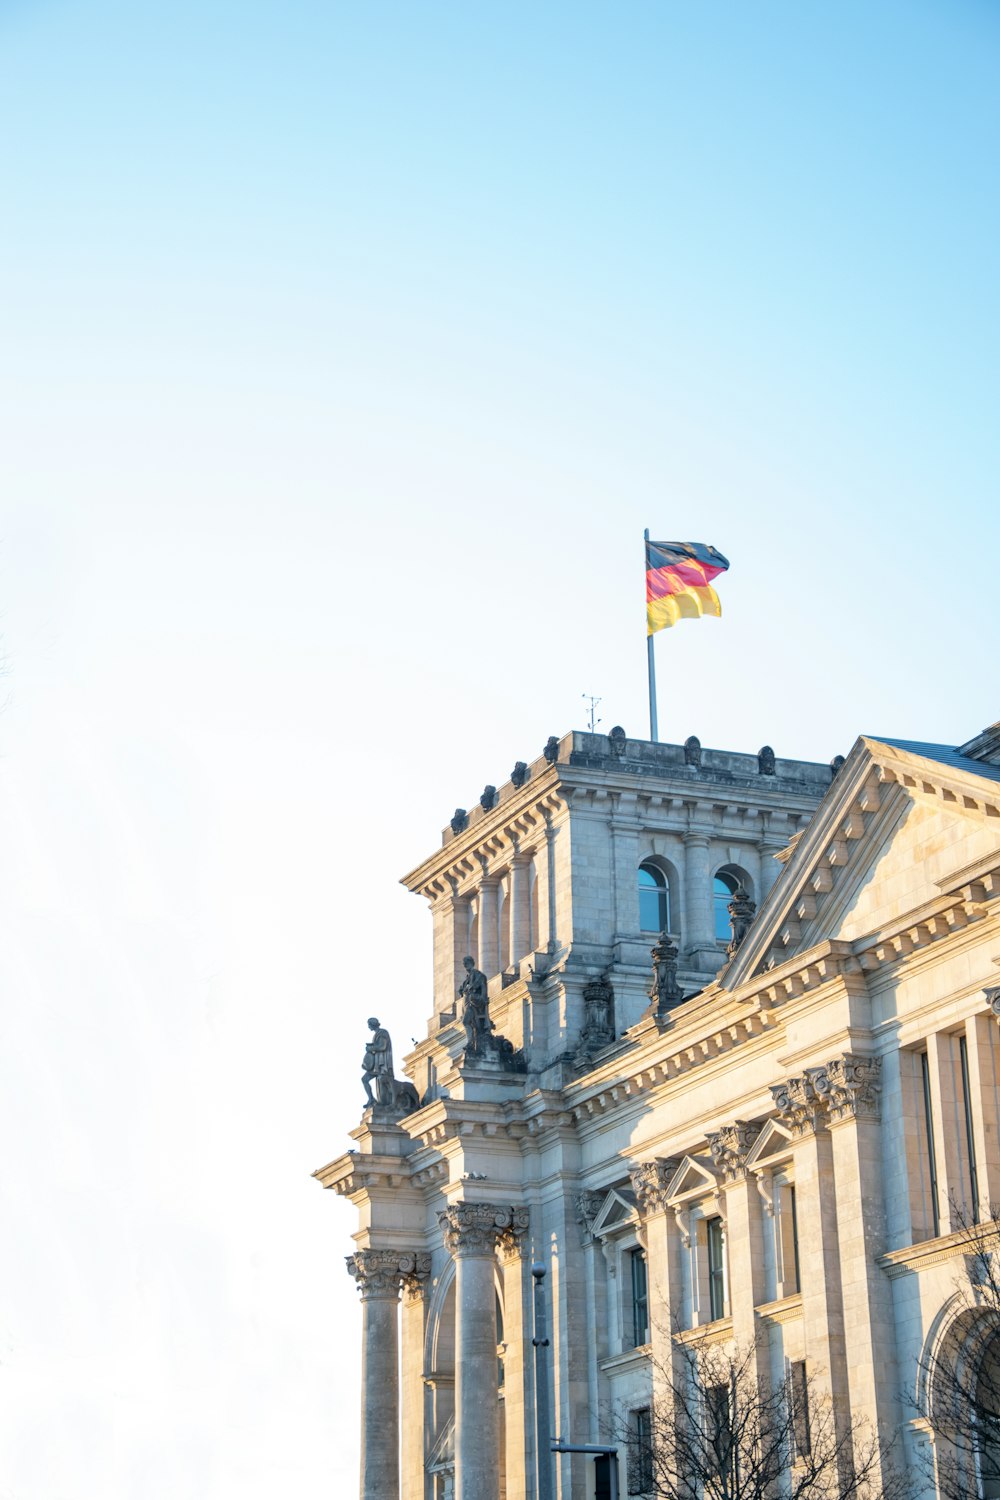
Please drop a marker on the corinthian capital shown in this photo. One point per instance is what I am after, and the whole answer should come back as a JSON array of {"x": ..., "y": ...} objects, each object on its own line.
[
  {"x": 850, "y": 1087},
  {"x": 730, "y": 1146},
  {"x": 475, "y": 1228},
  {"x": 798, "y": 1104},
  {"x": 649, "y": 1183},
  {"x": 378, "y": 1273}
]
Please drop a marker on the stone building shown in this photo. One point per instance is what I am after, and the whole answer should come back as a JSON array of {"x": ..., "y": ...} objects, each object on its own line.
[{"x": 726, "y": 1065}]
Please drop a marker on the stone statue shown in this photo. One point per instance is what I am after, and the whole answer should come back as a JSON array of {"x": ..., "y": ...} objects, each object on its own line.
[
  {"x": 520, "y": 773},
  {"x": 619, "y": 742},
  {"x": 475, "y": 1005},
  {"x": 377, "y": 1062},
  {"x": 692, "y": 751},
  {"x": 741, "y": 913},
  {"x": 391, "y": 1092},
  {"x": 551, "y": 751},
  {"x": 835, "y": 765},
  {"x": 460, "y": 821},
  {"x": 598, "y": 1019},
  {"x": 664, "y": 992},
  {"x": 765, "y": 761},
  {"x": 489, "y": 799}
]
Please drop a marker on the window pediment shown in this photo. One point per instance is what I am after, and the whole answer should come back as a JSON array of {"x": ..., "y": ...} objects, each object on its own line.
[
  {"x": 616, "y": 1212},
  {"x": 695, "y": 1177}
]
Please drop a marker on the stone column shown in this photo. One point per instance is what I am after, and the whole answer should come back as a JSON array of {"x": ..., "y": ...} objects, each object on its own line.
[
  {"x": 471, "y": 1231},
  {"x": 699, "y": 932},
  {"x": 745, "y": 1238},
  {"x": 625, "y": 864},
  {"x": 413, "y": 1321},
  {"x": 488, "y": 958},
  {"x": 546, "y": 872},
  {"x": 517, "y": 1385},
  {"x": 587, "y": 1207},
  {"x": 663, "y": 1276},
  {"x": 979, "y": 1034},
  {"x": 517, "y": 908},
  {"x": 851, "y": 1087},
  {"x": 803, "y": 1111},
  {"x": 378, "y": 1274}
]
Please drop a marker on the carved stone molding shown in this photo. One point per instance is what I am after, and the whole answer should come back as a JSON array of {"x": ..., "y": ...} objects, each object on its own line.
[
  {"x": 730, "y": 1146},
  {"x": 799, "y": 1107},
  {"x": 682, "y": 1214},
  {"x": 416, "y": 1275},
  {"x": 587, "y": 1208},
  {"x": 993, "y": 998},
  {"x": 850, "y": 1087},
  {"x": 379, "y": 1273},
  {"x": 475, "y": 1228},
  {"x": 510, "y": 1241},
  {"x": 649, "y": 1183}
]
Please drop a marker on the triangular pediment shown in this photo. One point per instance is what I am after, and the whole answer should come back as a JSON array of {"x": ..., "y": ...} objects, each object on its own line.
[
  {"x": 696, "y": 1174},
  {"x": 619, "y": 1208},
  {"x": 773, "y": 1142},
  {"x": 894, "y": 828}
]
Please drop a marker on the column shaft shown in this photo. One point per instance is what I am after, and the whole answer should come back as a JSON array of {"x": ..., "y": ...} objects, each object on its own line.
[
  {"x": 379, "y": 1399},
  {"x": 477, "y": 1424},
  {"x": 488, "y": 958}
]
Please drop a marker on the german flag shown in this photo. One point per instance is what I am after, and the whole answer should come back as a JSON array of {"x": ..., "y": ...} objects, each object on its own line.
[{"x": 678, "y": 582}]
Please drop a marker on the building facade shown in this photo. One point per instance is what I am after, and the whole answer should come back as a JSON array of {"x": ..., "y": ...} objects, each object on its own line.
[{"x": 725, "y": 1063}]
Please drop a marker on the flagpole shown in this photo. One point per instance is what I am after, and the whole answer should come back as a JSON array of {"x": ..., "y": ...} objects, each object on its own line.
[{"x": 651, "y": 665}]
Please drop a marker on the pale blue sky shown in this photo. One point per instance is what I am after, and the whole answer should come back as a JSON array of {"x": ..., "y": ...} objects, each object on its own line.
[{"x": 345, "y": 352}]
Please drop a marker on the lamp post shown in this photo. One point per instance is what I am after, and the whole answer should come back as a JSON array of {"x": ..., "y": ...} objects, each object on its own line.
[
  {"x": 543, "y": 1425},
  {"x": 600, "y": 1451}
]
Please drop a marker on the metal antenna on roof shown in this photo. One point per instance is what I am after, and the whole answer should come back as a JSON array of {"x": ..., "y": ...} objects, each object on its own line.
[{"x": 594, "y": 720}]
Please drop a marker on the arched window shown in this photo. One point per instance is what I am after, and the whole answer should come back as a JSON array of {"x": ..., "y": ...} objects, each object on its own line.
[
  {"x": 986, "y": 1417},
  {"x": 654, "y": 899},
  {"x": 723, "y": 890}
]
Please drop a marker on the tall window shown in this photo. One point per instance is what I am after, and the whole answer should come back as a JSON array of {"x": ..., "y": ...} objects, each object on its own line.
[
  {"x": 724, "y": 888},
  {"x": 654, "y": 899},
  {"x": 970, "y": 1139},
  {"x": 798, "y": 1400},
  {"x": 716, "y": 1268},
  {"x": 925, "y": 1075},
  {"x": 788, "y": 1239},
  {"x": 640, "y": 1299},
  {"x": 719, "y": 1419},
  {"x": 640, "y": 1467}
]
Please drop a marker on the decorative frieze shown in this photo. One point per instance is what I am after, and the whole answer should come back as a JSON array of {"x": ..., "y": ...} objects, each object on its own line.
[
  {"x": 850, "y": 1086},
  {"x": 650, "y": 1180},
  {"x": 379, "y": 1273},
  {"x": 475, "y": 1228},
  {"x": 730, "y": 1147}
]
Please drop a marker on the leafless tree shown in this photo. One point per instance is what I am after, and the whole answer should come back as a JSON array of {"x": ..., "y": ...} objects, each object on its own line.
[
  {"x": 717, "y": 1431},
  {"x": 958, "y": 1387}
]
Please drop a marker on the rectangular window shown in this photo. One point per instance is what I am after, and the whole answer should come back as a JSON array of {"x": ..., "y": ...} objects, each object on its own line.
[
  {"x": 925, "y": 1074},
  {"x": 798, "y": 1401},
  {"x": 788, "y": 1239},
  {"x": 640, "y": 1299},
  {"x": 716, "y": 1268},
  {"x": 640, "y": 1464},
  {"x": 970, "y": 1139},
  {"x": 719, "y": 1430}
]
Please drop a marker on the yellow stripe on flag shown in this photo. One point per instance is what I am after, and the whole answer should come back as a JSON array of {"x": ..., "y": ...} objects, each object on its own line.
[{"x": 688, "y": 604}]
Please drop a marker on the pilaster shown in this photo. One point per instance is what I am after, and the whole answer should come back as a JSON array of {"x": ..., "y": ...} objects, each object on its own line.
[{"x": 413, "y": 1321}]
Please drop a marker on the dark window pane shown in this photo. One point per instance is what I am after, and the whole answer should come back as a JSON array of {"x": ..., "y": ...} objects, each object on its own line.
[
  {"x": 640, "y": 1299},
  {"x": 716, "y": 1269},
  {"x": 723, "y": 891},
  {"x": 654, "y": 900}
]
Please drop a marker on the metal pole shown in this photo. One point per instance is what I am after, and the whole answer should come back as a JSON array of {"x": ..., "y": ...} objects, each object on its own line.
[
  {"x": 543, "y": 1424},
  {"x": 651, "y": 668},
  {"x": 600, "y": 1450}
]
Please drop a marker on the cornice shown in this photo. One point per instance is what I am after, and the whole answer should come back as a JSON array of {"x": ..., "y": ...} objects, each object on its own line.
[
  {"x": 784, "y": 1310},
  {"x": 928, "y": 1253}
]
